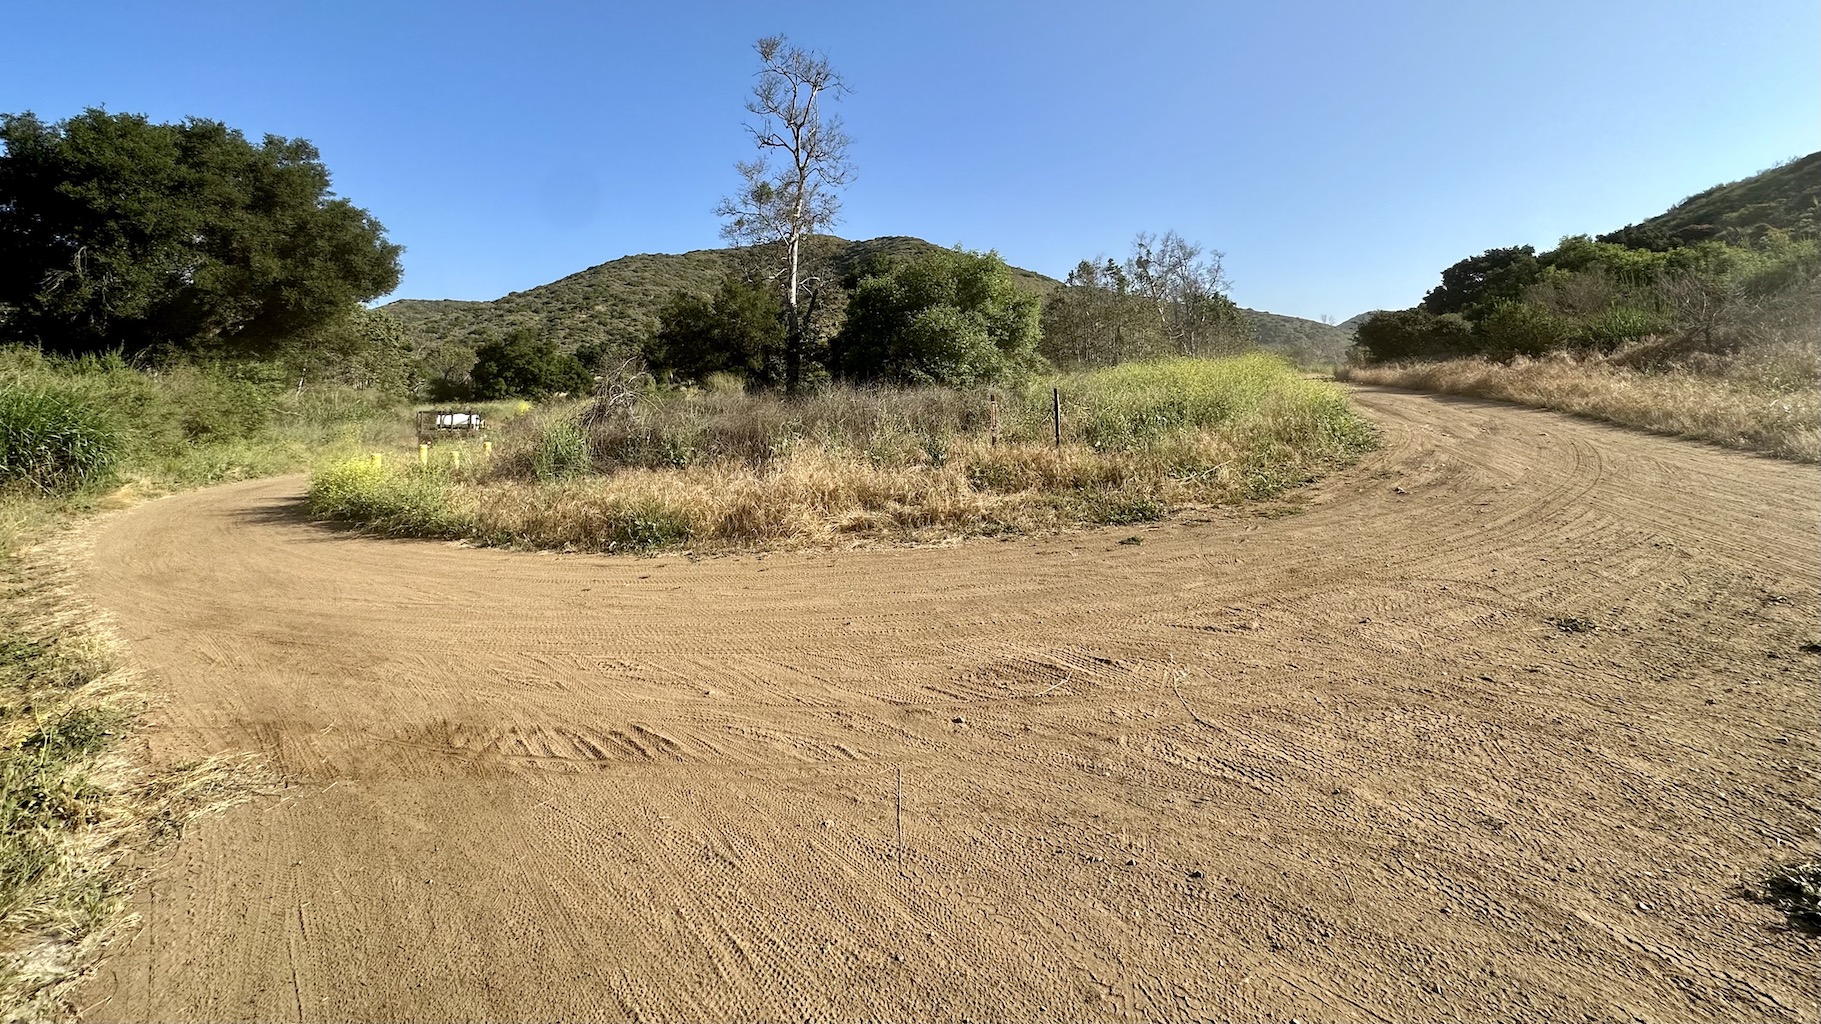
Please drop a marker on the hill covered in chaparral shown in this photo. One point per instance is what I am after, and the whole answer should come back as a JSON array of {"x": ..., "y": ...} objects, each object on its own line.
[{"x": 615, "y": 304}]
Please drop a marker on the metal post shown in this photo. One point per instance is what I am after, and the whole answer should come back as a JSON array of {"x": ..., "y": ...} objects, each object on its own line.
[{"x": 1056, "y": 412}]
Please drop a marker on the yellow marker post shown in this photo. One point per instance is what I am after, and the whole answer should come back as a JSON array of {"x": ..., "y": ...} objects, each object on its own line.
[
  {"x": 423, "y": 455},
  {"x": 377, "y": 459},
  {"x": 487, "y": 449},
  {"x": 455, "y": 459}
]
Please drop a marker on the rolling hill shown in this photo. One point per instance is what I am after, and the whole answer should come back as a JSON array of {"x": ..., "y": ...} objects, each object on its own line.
[
  {"x": 1786, "y": 197},
  {"x": 1309, "y": 342},
  {"x": 616, "y": 303}
]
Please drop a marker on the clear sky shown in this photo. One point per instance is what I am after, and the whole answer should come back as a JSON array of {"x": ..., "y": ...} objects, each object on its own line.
[{"x": 1340, "y": 153}]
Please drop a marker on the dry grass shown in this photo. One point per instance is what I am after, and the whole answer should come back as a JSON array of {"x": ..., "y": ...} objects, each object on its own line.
[
  {"x": 1763, "y": 398},
  {"x": 73, "y": 808},
  {"x": 1793, "y": 887},
  {"x": 720, "y": 471}
]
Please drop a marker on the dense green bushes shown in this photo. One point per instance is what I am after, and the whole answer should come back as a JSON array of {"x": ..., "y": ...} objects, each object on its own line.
[
  {"x": 1594, "y": 297},
  {"x": 949, "y": 317},
  {"x": 525, "y": 364},
  {"x": 739, "y": 330}
]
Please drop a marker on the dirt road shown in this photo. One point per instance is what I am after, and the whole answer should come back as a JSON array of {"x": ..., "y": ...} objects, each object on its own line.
[{"x": 1489, "y": 729}]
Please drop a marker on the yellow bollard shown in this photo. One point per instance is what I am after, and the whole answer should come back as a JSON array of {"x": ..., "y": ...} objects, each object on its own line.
[
  {"x": 486, "y": 449},
  {"x": 455, "y": 459},
  {"x": 423, "y": 455}
]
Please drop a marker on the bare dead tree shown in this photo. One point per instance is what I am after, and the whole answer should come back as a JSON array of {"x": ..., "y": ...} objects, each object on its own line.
[
  {"x": 788, "y": 192},
  {"x": 619, "y": 390}
]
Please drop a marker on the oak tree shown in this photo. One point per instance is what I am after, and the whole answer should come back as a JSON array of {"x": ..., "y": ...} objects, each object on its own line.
[{"x": 119, "y": 233}]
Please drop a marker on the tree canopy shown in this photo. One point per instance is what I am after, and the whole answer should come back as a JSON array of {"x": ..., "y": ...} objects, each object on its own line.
[
  {"x": 739, "y": 330},
  {"x": 119, "y": 233},
  {"x": 949, "y": 317},
  {"x": 1168, "y": 298},
  {"x": 525, "y": 365},
  {"x": 1479, "y": 282}
]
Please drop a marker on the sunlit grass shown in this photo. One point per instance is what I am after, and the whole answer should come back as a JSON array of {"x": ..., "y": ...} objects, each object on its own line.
[
  {"x": 713, "y": 469},
  {"x": 1757, "y": 400}
]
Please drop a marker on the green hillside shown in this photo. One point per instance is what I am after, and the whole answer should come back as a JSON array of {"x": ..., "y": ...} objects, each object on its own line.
[
  {"x": 1309, "y": 342},
  {"x": 616, "y": 303},
  {"x": 1785, "y": 197}
]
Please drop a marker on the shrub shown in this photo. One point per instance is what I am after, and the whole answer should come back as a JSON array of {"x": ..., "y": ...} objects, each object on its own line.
[
  {"x": 526, "y": 366},
  {"x": 54, "y": 439},
  {"x": 1392, "y": 335},
  {"x": 739, "y": 332},
  {"x": 1608, "y": 330},
  {"x": 1122, "y": 509},
  {"x": 1795, "y": 889},
  {"x": 212, "y": 405},
  {"x": 559, "y": 451},
  {"x": 402, "y": 501},
  {"x": 947, "y": 317},
  {"x": 1519, "y": 329}
]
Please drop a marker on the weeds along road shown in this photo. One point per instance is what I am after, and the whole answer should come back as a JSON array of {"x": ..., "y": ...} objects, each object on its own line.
[{"x": 1490, "y": 728}]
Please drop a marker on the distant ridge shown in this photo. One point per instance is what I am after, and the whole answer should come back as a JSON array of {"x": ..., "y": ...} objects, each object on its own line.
[{"x": 1309, "y": 342}]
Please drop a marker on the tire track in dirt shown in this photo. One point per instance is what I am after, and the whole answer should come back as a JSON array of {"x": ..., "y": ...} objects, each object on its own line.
[{"x": 1489, "y": 727}]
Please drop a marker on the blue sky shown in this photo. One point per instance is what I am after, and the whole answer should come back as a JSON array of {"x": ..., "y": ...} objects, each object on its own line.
[{"x": 1340, "y": 154}]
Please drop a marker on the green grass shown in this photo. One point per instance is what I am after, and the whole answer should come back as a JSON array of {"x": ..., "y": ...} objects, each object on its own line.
[
  {"x": 720, "y": 469},
  {"x": 74, "y": 430},
  {"x": 394, "y": 496},
  {"x": 53, "y": 440}
]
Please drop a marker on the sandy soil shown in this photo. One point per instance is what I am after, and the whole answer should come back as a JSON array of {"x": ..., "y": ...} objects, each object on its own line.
[{"x": 1336, "y": 765}]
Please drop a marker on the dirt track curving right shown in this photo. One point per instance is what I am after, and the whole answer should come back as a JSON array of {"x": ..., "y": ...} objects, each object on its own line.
[{"x": 1489, "y": 728}]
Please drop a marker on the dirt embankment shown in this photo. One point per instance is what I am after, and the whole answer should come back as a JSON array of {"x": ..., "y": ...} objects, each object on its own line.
[{"x": 1489, "y": 729}]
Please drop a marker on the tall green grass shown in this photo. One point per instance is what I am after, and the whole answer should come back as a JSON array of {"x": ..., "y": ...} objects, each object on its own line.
[
  {"x": 189, "y": 424},
  {"x": 73, "y": 428},
  {"x": 53, "y": 440},
  {"x": 392, "y": 496}
]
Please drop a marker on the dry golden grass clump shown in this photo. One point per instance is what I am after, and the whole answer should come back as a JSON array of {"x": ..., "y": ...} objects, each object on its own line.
[
  {"x": 1761, "y": 397},
  {"x": 720, "y": 469}
]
